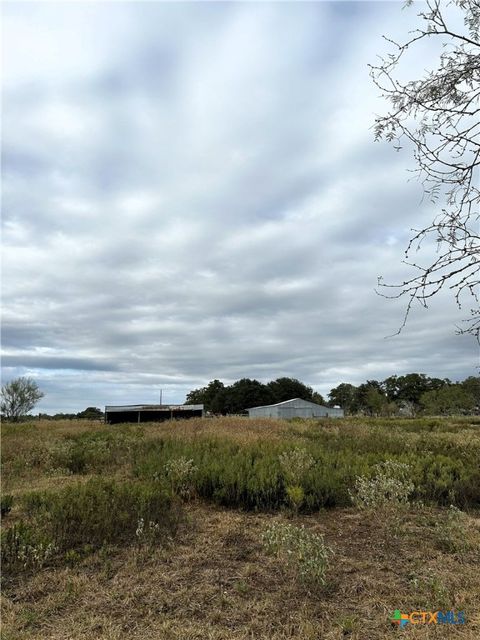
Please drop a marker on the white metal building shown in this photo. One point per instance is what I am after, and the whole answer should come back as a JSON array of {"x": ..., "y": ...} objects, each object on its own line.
[{"x": 295, "y": 408}]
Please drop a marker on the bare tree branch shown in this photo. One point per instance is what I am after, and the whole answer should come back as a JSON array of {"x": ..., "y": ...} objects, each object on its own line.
[{"x": 439, "y": 115}]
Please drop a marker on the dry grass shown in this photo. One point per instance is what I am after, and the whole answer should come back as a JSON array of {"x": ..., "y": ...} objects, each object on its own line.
[{"x": 216, "y": 583}]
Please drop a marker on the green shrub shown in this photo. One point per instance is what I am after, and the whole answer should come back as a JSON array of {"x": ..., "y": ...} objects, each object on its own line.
[
  {"x": 102, "y": 511},
  {"x": 180, "y": 476},
  {"x": 295, "y": 464},
  {"x": 304, "y": 551},
  {"x": 390, "y": 485},
  {"x": 250, "y": 476},
  {"x": 88, "y": 516},
  {"x": 97, "y": 451},
  {"x": 296, "y": 496}
]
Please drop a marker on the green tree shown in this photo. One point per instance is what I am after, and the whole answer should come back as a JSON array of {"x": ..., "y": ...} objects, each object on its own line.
[
  {"x": 364, "y": 396},
  {"x": 410, "y": 387},
  {"x": 318, "y": 398},
  {"x": 472, "y": 386},
  {"x": 449, "y": 400},
  {"x": 375, "y": 401},
  {"x": 91, "y": 413},
  {"x": 437, "y": 115},
  {"x": 343, "y": 396},
  {"x": 288, "y": 388},
  {"x": 19, "y": 397},
  {"x": 369, "y": 398},
  {"x": 205, "y": 395},
  {"x": 241, "y": 395}
]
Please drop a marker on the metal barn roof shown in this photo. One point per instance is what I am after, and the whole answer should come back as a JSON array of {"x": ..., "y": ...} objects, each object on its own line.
[
  {"x": 303, "y": 403},
  {"x": 154, "y": 407}
]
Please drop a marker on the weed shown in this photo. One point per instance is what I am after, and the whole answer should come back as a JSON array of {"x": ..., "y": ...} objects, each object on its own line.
[
  {"x": 390, "y": 486},
  {"x": 301, "y": 549},
  {"x": 296, "y": 496},
  {"x": 25, "y": 546},
  {"x": 295, "y": 464},
  {"x": 180, "y": 474},
  {"x": 87, "y": 516},
  {"x": 451, "y": 531}
]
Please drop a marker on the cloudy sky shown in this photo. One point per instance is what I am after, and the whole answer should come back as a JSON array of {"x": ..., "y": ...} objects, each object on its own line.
[{"x": 192, "y": 191}]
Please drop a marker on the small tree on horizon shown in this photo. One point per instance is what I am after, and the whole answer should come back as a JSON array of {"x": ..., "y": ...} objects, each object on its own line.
[{"x": 19, "y": 397}]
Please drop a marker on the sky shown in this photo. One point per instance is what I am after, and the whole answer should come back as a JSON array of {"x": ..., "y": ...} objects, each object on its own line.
[{"x": 193, "y": 191}]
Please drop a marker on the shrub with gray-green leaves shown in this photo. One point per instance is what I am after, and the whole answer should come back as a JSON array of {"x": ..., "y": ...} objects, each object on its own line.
[
  {"x": 180, "y": 475},
  {"x": 306, "y": 552},
  {"x": 295, "y": 463},
  {"x": 389, "y": 486}
]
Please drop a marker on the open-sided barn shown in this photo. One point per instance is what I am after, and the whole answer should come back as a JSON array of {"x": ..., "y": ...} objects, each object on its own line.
[
  {"x": 151, "y": 412},
  {"x": 295, "y": 408}
]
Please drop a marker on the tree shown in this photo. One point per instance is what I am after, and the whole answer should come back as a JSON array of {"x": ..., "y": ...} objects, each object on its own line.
[
  {"x": 288, "y": 388},
  {"x": 343, "y": 396},
  {"x": 318, "y": 398},
  {"x": 438, "y": 114},
  {"x": 205, "y": 395},
  {"x": 472, "y": 386},
  {"x": 246, "y": 393},
  {"x": 369, "y": 397},
  {"x": 91, "y": 413},
  {"x": 447, "y": 401},
  {"x": 375, "y": 401},
  {"x": 410, "y": 387},
  {"x": 19, "y": 397}
]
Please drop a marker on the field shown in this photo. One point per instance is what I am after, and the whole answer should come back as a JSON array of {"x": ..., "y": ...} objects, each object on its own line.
[{"x": 233, "y": 528}]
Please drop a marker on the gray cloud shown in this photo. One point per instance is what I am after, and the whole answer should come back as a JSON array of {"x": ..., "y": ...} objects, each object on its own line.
[{"x": 199, "y": 195}]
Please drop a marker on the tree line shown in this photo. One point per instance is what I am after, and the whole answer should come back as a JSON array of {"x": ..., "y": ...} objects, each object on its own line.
[
  {"x": 408, "y": 395},
  {"x": 242, "y": 394}
]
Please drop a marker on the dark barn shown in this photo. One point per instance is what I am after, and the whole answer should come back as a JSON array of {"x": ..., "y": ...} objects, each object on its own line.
[{"x": 151, "y": 412}]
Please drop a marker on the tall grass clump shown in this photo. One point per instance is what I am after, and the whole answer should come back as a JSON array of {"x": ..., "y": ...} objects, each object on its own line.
[
  {"x": 90, "y": 515},
  {"x": 24, "y": 545},
  {"x": 96, "y": 451}
]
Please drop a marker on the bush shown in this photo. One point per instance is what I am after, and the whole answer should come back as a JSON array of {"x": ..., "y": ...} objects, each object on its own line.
[
  {"x": 89, "y": 515},
  {"x": 295, "y": 464},
  {"x": 180, "y": 475},
  {"x": 389, "y": 486},
  {"x": 97, "y": 451},
  {"x": 304, "y": 551},
  {"x": 102, "y": 511},
  {"x": 451, "y": 531},
  {"x": 250, "y": 475}
]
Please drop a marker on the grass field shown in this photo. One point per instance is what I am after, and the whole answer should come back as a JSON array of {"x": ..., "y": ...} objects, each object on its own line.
[{"x": 161, "y": 531}]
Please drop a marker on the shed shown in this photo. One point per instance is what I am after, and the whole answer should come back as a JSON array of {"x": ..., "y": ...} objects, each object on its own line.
[
  {"x": 295, "y": 408},
  {"x": 151, "y": 412}
]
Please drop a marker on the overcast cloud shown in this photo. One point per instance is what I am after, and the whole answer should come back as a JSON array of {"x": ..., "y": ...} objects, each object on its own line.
[{"x": 192, "y": 191}]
